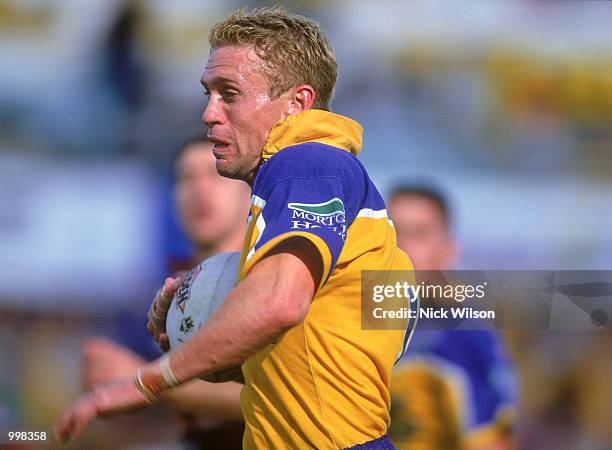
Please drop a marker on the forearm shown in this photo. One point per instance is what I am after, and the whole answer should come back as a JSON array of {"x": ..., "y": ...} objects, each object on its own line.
[
  {"x": 200, "y": 398},
  {"x": 273, "y": 297},
  {"x": 254, "y": 315}
]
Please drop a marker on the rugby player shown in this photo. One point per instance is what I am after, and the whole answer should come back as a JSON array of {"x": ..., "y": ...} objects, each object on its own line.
[
  {"x": 312, "y": 377},
  {"x": 454, "y": 389},
  {"x": 212, "y": 210}
]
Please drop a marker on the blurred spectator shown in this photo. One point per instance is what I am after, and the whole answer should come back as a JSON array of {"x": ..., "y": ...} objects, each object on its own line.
[
  {"x": 123, "y": 66},
  {"x": 454, "y": 388},
  {"x": 213, "y": 211},
  {"x": 124, "y": 71}
]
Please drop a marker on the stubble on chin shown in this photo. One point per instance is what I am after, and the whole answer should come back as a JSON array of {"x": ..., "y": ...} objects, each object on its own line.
[{"x": 225, "y": 169}]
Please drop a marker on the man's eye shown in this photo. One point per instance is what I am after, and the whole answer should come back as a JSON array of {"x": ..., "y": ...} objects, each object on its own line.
[
  {"x": 206, "y": 92},
  {"x": 229, "y": 94}
]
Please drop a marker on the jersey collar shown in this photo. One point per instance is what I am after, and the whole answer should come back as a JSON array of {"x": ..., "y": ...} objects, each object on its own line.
[{"x": 314, "y": 125}]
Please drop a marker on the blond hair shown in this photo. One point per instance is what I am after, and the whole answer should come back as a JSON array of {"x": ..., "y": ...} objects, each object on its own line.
[{"x": 294, "y": 48}]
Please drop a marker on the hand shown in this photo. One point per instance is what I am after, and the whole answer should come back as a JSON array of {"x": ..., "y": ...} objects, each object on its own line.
[
  {"x": 122, "y": 396},
  {"x": 104, "y": 362},
  {"x": 159, "y": 310}
]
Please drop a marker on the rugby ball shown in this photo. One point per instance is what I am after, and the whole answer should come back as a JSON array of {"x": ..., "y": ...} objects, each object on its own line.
[{"x": 203, "y": 290}]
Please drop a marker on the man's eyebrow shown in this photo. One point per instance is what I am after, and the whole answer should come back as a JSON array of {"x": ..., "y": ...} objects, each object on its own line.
[{"x": 219, "y": 79}]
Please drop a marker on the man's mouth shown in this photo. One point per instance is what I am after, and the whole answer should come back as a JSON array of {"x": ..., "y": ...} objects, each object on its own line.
[
  {"x": 220, "y": 143},
  {"x": 220, "y": 151}
]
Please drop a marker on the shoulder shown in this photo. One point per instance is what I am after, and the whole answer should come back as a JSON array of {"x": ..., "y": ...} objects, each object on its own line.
[
  {"x": 314, "y": 170},
  {"x": 312, "y": 160}
]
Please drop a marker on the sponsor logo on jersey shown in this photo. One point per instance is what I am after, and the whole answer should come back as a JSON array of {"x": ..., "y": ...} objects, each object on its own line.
[
  {"x": 329, "y": 214},
  {"x": 328, "y": 208}
]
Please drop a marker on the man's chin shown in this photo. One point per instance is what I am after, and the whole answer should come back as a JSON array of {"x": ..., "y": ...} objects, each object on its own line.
[
  {"x": 228, "y": 170},
  {"x": 225, "y": 169}
]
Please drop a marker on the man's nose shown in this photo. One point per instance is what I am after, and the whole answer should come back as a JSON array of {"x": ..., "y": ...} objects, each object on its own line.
[{"x": 213, "y": 114}]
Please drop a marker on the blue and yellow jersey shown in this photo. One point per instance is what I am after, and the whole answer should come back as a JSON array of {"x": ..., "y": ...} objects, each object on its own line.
[
  {"x": 325, "y": 383},
  {"x": 455, "y": 389}
]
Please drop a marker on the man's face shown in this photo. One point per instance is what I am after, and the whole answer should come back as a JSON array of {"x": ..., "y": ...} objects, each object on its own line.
[
  {"x": 422, "y": 232},
  {"x": 210, "y": 207},
  {"x": 240, "y": 112}
]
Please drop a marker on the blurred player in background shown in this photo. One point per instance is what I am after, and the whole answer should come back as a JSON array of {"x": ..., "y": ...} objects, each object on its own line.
[
  {"x": 213, "y": 211},
  {"x": 453, "y": 389}
]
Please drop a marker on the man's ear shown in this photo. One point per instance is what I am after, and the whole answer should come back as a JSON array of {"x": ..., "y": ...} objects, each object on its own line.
[{"x": 301, "y": 99}]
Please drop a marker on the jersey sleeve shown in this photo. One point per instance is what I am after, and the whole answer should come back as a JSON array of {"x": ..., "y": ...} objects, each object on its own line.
[{"x": 313, "y": 208}]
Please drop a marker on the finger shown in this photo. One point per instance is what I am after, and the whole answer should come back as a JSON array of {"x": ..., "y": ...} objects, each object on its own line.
[
  {"x": 159, "y": 325},
  {"x": 158, "y": 295},
  {"x": 164, "y": 342},
  {"x": 151, "y": 324},
  {"x": 153, "y": 329},
  {"x": 152, "y": 319},
  {"x": 168, "y": 291},
  {"x": 158, "y": 309},
  {"x": 165, "y": 290},
  {"x": 158, "y": 339},
  {"x": 157, "y": 335},
  {"x": 83, "y": 419},
  {"x": 176, "y": 284},
  {"x": 162, "y": 303},
  {"x": 76, "y": 418},
  {"x": 154, "y": 305},
  {"x": 64, "y": 427},
  {"x": 158, "y": 315}
]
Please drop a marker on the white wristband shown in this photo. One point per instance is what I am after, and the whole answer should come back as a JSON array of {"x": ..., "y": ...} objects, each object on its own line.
[{"x": 167, "y": 373}]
